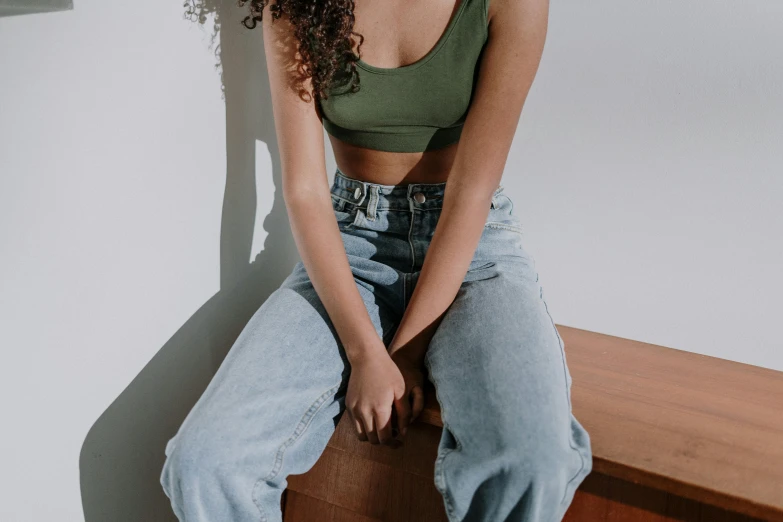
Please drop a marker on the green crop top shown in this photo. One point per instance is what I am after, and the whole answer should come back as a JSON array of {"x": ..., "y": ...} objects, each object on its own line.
[{"x": 416, "y": 107}]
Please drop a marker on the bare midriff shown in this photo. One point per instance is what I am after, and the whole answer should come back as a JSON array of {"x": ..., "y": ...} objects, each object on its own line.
[{"x": 393, "y": 168}]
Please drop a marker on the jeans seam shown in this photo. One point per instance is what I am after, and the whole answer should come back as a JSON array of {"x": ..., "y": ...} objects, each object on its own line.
[
  {"x": 342, "y": 199},
  {"x": 440, "y": 475},
  {"x": 301, "y": 427},
  {"x": 410, "y": 241},
  {"x": 568, "y": 399},
  {"x": 404, "y": 292},
  {"x": 493, "y": 224}
]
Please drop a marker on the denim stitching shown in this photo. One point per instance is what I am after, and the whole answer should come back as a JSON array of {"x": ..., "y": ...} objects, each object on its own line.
[
  {"x": 440, "y": 480},
  {"x": 493, "y": 224},
  {"x": 345, "y": 201},
  {"x": 304, "y": 423},
  {"x": 388, "y": 209},
  {"x": 440, "y": 475},
  {"x": 404, "y": 292},
  {"x": 341, "y": 205},
  {"x": 568, "y": 398},
  {"x": 505, "y": 225},
  {"x": 338, "y": 203},
  {"x": 350, "y": 222},
  {"x": 410, "y": 231}
]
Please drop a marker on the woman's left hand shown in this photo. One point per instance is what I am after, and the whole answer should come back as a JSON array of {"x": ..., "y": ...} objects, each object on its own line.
[{"x": 409, "y": 406}]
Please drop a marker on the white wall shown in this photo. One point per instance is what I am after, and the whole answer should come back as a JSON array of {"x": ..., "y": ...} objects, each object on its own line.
[{"x": 647, "y": 167}]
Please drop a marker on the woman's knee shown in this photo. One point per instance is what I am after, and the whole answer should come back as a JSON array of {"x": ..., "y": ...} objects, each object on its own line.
[
  {"x": 192, "y": 456},
  {"x": 540, "y": 454},
  {"x": 522, "y": 472},
  {"x": 211, "y": 474},
  {"x": 522, "y": 468},
  {"x": 199, "y": 458},
  {"x": 550, "y": 461}
]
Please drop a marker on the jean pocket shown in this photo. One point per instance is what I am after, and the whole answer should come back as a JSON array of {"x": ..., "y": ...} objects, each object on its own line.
[{"x": 478, "y": 265}]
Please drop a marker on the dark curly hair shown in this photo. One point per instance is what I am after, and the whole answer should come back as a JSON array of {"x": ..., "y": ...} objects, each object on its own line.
[{"x": 323, "y": 29}]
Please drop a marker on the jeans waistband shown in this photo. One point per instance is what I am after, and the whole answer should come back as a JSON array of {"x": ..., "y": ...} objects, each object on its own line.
[{"x": 423, "y": 196}]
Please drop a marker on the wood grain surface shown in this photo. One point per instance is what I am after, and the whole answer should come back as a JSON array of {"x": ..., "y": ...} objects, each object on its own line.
[
  {"x": 700, "y": 427},
  {"x": 676, "y": 436}
]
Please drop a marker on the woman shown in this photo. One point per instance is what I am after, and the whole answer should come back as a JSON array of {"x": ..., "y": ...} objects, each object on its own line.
[{"x": 418, "y": 264}]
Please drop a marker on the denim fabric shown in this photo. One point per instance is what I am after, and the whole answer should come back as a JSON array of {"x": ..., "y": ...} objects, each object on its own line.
[{"x": 511, "y": 449}]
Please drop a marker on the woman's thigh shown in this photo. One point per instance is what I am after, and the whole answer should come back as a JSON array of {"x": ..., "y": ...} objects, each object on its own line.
[
  {"x": 285, "y": 366},
  {"x": 273, "y": 404},
  {"x": 501, "y": 378}
]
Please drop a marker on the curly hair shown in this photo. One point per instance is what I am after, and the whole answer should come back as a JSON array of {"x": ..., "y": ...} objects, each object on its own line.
[{"x": 323, "y": 29}]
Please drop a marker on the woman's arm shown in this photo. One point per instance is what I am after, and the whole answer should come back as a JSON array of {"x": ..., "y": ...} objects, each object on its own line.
[
  {"x": 375, "y": 380},
  {"x": 517, "y": 31}
]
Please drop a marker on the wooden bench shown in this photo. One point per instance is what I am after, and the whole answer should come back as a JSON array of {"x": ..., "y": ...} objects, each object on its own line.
[{"x": 675, "y": 436}]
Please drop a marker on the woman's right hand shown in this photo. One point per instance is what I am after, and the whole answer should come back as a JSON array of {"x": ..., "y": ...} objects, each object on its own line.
[{"x": 373, "y": 386}]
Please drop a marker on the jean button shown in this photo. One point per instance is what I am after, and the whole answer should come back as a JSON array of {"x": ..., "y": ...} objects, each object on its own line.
[
  {"x": 419, "y": 197},
  {"x": 357, "y": 193}
]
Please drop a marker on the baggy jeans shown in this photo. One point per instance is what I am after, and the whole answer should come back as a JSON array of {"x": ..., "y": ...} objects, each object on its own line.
[{"x": 510, "y": 450}]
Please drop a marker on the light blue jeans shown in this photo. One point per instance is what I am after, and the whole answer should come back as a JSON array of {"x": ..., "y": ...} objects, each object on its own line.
[{"x": 511, "y": 449}]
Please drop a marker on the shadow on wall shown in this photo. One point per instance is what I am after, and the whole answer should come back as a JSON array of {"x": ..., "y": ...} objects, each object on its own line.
[{"x": 122, "y": 457}]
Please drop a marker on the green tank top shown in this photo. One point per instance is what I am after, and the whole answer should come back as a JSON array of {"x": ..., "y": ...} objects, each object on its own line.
[{"x": 416, "y": 107}]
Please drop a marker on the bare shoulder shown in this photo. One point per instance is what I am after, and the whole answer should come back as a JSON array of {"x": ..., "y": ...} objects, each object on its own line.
[
  {"x": 281, "y": 48},
  {"x": 517, "y": 13}
]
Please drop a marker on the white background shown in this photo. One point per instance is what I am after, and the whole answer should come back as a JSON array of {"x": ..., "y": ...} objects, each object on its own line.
[{"x": 134, "y": 196}]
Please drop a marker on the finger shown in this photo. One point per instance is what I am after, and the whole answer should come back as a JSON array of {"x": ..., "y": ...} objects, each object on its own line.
[
  {"x": 358, "y": 426},
  {"x": 384, "y": 428},
  {"x": 369, "y": 424},
  {"x": 403, "y": 408},
  {"x": 418, "y": 401}
]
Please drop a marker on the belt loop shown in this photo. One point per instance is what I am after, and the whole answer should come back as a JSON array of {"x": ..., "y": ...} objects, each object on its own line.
[
  {"x": 372, "y": 204},
  {"x": 494, "y": 203}
]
